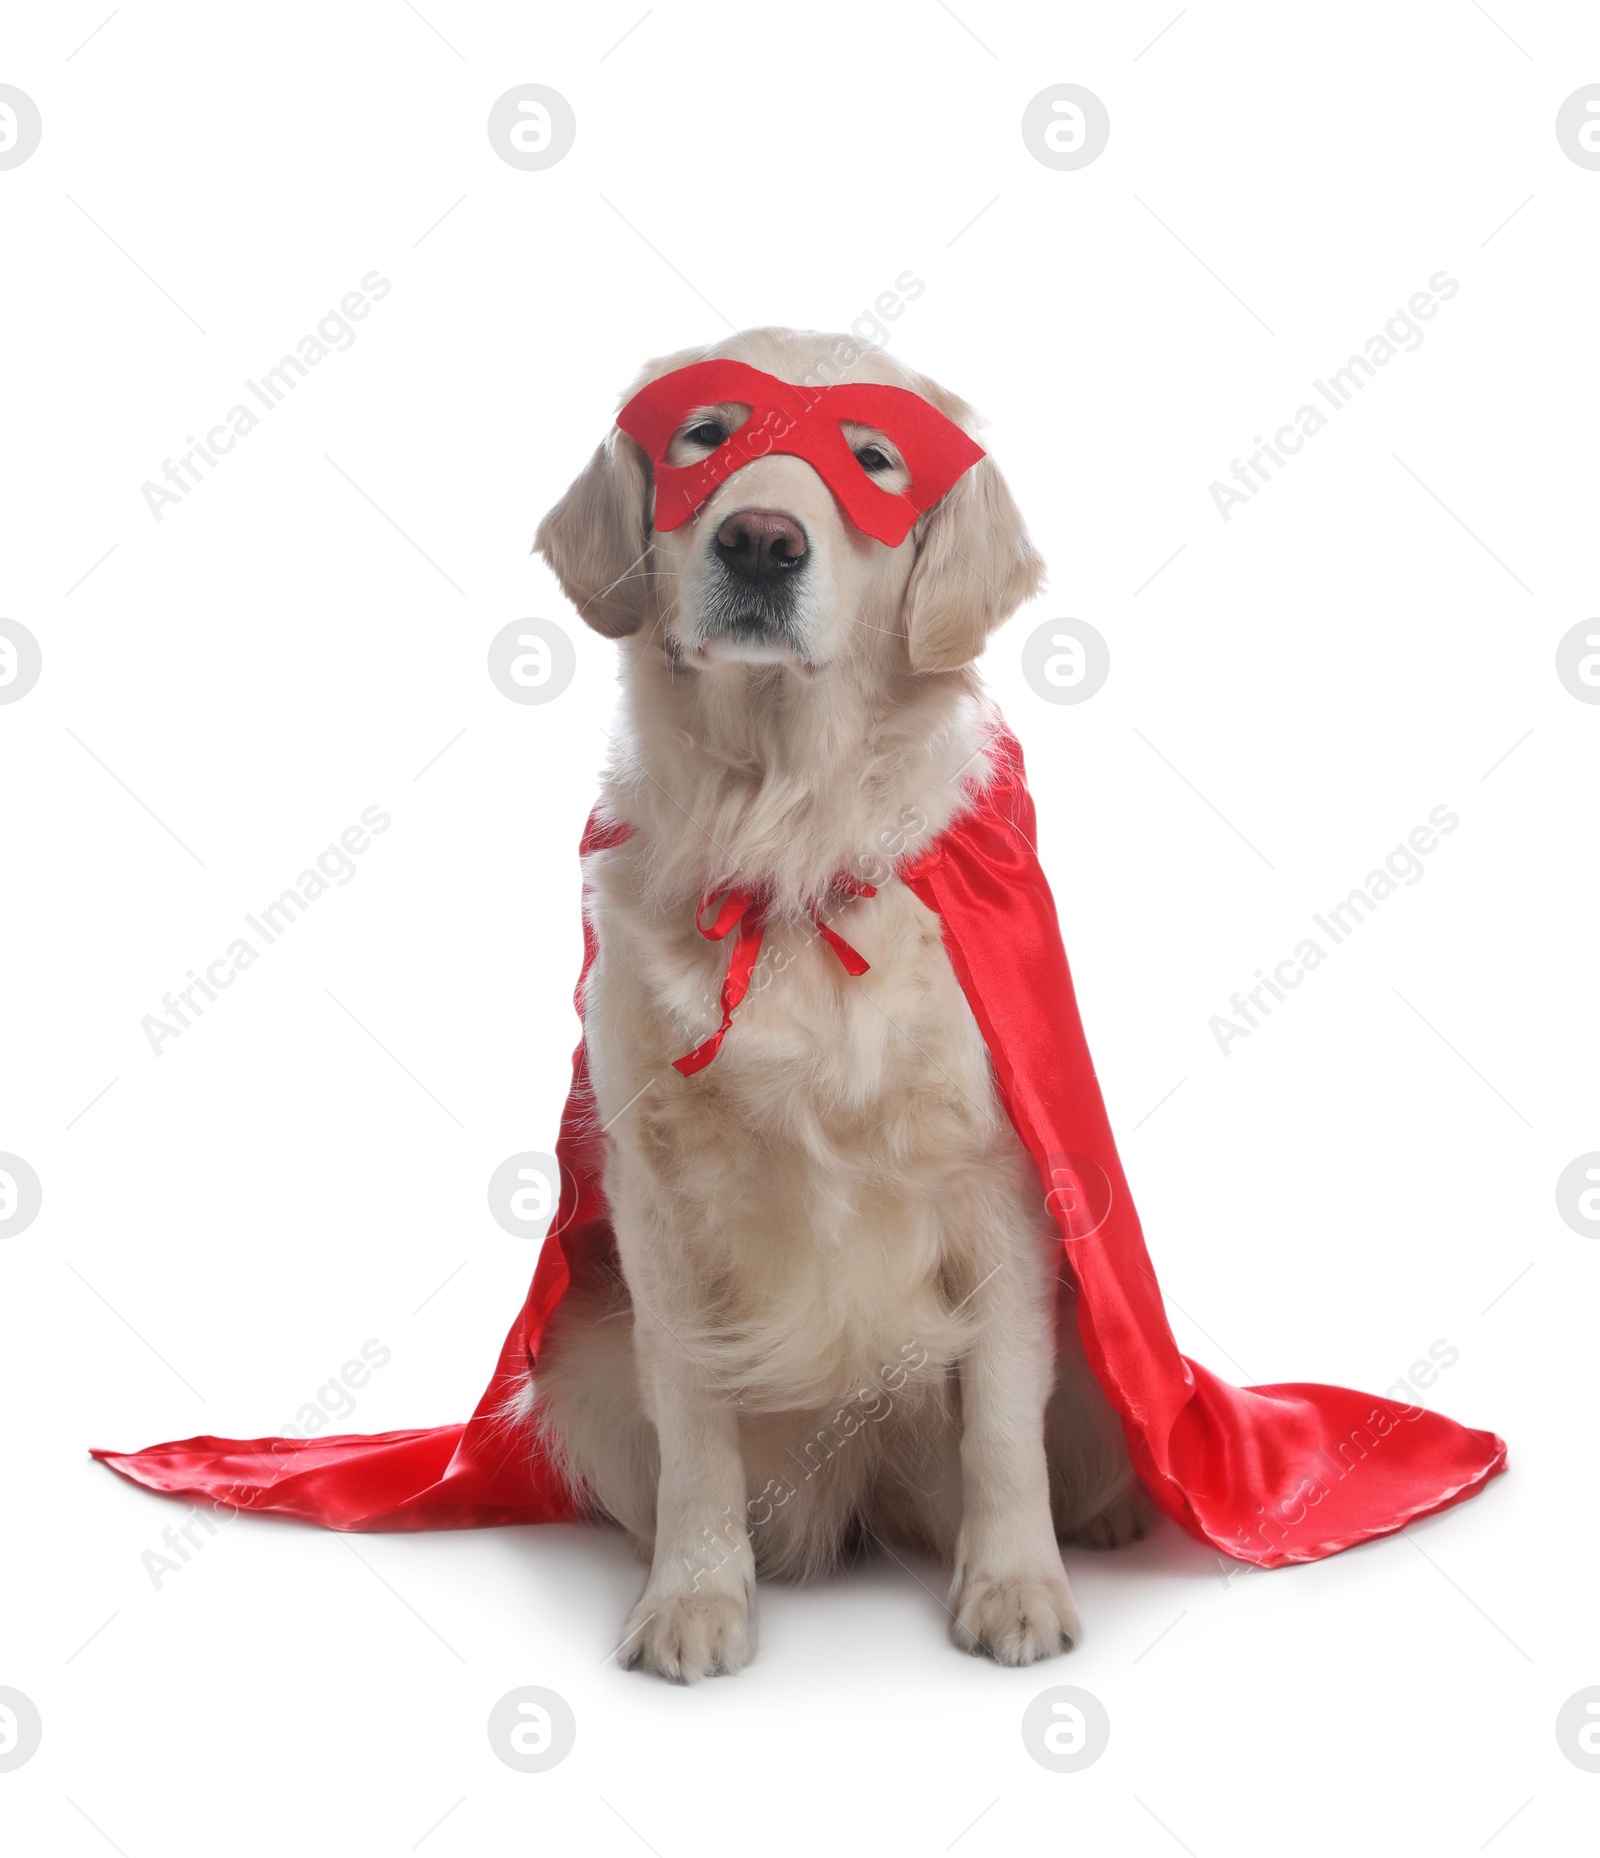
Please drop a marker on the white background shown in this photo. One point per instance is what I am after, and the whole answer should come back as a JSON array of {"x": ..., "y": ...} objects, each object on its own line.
[{"x": 1366, "y": 1174}]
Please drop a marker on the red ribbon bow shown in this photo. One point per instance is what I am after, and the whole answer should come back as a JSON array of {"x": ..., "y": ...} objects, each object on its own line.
[{"x": 747, "y": 909}]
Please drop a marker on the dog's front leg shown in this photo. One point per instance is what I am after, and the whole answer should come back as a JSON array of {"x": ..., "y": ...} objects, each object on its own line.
[
  {"x": 1011, "y": 1592},
  {"x": 694, "y": 1618}
]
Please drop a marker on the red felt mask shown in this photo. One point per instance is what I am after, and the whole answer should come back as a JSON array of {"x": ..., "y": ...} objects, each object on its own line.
[{"x": 805, "y": 423}]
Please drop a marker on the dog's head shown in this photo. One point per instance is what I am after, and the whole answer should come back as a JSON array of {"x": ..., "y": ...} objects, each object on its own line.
[{"x": 769, "y": 567}]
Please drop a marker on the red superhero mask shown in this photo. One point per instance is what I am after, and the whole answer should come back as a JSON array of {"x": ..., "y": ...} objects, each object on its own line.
[{"x": 805, "y": 423}]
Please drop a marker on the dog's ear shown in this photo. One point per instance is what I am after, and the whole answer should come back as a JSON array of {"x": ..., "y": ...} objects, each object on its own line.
[
  {"x": 974, "y": 567},
  {"x": 597, "y": 538}
]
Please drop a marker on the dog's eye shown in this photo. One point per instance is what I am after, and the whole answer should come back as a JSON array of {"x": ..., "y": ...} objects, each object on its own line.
[
  {"x": 707, "y": 433},
  {"x": 874, "y": 458}
]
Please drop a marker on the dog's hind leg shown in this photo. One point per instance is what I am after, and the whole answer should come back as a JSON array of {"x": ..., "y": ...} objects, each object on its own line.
[
  {"x": 586, "y": 1402},
  {"x": 1096, "y": 1500}
]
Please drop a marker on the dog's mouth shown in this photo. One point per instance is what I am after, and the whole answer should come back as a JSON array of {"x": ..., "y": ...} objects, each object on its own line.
[{"x": 736, "y": 626}]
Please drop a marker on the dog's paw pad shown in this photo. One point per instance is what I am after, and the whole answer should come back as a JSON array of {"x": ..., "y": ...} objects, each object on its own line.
[
  {"x": 684, "y": 1637},
  {"x": 1017, "y": 1619}
]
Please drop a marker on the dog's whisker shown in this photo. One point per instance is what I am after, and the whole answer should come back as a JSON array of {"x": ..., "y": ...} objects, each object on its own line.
[
  {"x": 892, "y": 632},
  {"x": 661, "y": 619},
  {"x": 624, "y": 575}
]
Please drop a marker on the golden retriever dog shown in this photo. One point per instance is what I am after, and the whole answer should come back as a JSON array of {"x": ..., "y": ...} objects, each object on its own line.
[{"x": 838, "y": 1315}]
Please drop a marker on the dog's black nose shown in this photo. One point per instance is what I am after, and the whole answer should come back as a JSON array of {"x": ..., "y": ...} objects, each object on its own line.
[{"x": 760, "y": 545}]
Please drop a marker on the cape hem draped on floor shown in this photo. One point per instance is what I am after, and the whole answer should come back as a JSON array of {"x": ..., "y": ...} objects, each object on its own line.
[{"x": 1269, "y": 1475}]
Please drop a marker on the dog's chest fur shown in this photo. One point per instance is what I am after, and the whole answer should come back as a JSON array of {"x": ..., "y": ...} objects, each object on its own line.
[{"x": 841, "y": 1177}]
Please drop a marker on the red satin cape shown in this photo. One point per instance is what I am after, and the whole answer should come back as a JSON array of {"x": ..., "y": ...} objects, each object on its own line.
[{"x": 1269, "y": 1475}]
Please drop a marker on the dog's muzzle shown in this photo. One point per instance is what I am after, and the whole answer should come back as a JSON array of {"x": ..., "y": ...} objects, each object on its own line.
[{"x": 761, "y": 557}]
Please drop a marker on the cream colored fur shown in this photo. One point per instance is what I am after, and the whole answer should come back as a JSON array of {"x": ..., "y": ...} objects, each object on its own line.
[{"x": 840, "y": 1317}]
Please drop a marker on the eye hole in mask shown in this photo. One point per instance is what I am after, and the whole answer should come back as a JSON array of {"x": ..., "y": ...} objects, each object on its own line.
[
  {"x": 703, "y": 431},
  {"x": 875, "y": 452}
]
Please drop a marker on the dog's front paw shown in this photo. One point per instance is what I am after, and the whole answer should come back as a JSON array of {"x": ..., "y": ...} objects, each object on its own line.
[
  {"x": 685, "y": 1637},
  {"x": 1016, "y": 1619}
]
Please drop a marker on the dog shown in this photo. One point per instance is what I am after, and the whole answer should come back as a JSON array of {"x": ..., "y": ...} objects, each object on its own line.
[{"x": 837, "y": 1315}]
